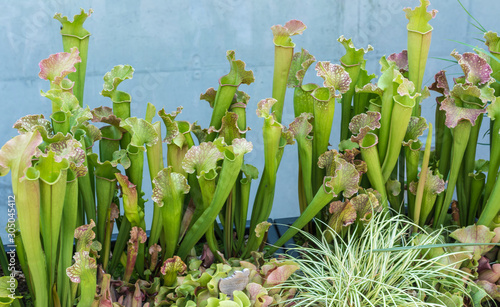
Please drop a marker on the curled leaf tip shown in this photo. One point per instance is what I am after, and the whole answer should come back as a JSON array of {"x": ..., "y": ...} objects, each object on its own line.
[
  {"x": 172, "y": 115},
  {"x": 476, "y": 69},
  {"x": 30, "y": 123},
  {"x": 114, "y": 77},
  {"x": 282, "y": 33},
  {"x": 85, "y": 231},
  {"x": 242, "y": 146},
  {"x": 301, "y": 61},
  {"x": 125, "y": 183},
  {"x": 370, "y": 88},
  {"x": 237, "y": 75},
  {"x": 83, "y": 262},
  {"x": 472, "y": 96},
  {"x": 336, "y": 78},
  {"x": 75, "y": 27},
  {"x": 492, "y": 41},
  {"x": 173, "y": 265},
  {"x": 264, "y": 108},
  {"x": 416, "y": 128},
  {"x": 105, "y": 115},
  {"x": 419, "y": 17},
  {"x": 342, "y": 176},
  {"x": 209, "y": 96},
  {"x": 406, "y": 87},
  {"x": 434, "y": 183},
  {"x": 349, "y": 44},
  {"x": 353, "y": 56},
  {"x": 137, "y": 234},
  {"x": 393, "y": 187},
  {"x": 240, "y": 99},
  {"x": 347, "y": 145},
  {"x": 262, "y": 228},
  {"x": 115, "y": 212},
  {"x": 474, "y": 234},
  {"x": 142, "y": 131},
  {"x": 155, "y": 248},
  {"x": 363, "y": 123},
  {"x": 201, "y": 158},
  {"x": 301, "y": 126},
  {"x": 365, "y": 205},
  {"x": 71, "y": 150},
  {"x": 400, "y": 59},
  {"x": 494, "y": 109},
  {"x": 229, "y": 126},
  {"x": 57, "y": 66},
  {"x": 455, "y": 114},
  {"x": 168, "y": 182},
  {"x": 440, "y": 84}
]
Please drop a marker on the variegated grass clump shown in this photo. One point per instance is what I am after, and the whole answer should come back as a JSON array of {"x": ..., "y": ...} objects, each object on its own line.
[{"x": 352, "y": 271}]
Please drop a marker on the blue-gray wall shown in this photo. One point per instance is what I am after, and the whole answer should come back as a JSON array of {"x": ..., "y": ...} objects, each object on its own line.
[{"x": 178, "y": 51}]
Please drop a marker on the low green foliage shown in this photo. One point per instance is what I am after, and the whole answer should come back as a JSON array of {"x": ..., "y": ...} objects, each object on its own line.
[{"x": 348, "y": 272}]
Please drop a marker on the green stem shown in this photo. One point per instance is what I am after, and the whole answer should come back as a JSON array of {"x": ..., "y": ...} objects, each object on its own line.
[
  {"x": 53, "y": 181},
  {"x": 229, "y": 173},
  {"x": 212, "y": 243},
  {"x": 86, "y": 183},
  {"x": 121, "y": 242},
  {"x": 301, "y": 190},
  {"x": 228, "y": 227},
  {"x": 265, "y": 192},
  {"x": 412, "y": 155},
  {"x": 23, "y": 260},
  {"x": 109, "y": 143},
  {"x": 461, "y": 196},
  {"x": 175, "y": 155},
  {"x": 347, "y": 108},
  {"x": 460, "y": 139},
  {"x": 135, "y": 171},
  {"x": 105, "y": 190},
  {"x": 68, "y": 226},
  {"x": 418, "y": 49},
  {"x": 207, "y": 186},
  {"x": 369, "y": 153},
  {"x": 88, "y": 287},
  {"x": 492, "y": 207},
  {"x": 321, "y": 199},
  {"x": 172, "y": 218},
  {"x": 242, "y": 211},
  {"x": 106, "y": 245},
  {"x": 27, "y": 195},
  {"x": 445, "y": 153},
  {"x": 387, "y": 105},
  {"x": 494, "y": 160},
  {"x": 282, "y": 61},
  {"x": 401, "y": 114},
  {"x": 223, "y": 99},
  {"x": 305, "y": 159},
  {"x": 324, "y": 110},
  {"x": 469, "y": 161},
  {"x": 85, "y": 191},
  {"x": 477, "y": 187},
  {"x": 440, "y": 117},
  {"x": 423, "y": 178},
  {"x": 155, "y": 163},
  {"x": 74, "y": 35}
]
